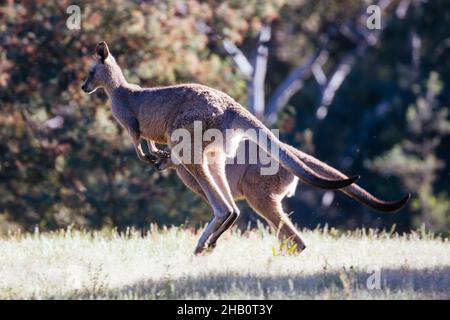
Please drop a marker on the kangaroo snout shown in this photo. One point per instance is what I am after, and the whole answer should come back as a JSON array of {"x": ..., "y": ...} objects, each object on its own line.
[{"x": 86, "y": 87}]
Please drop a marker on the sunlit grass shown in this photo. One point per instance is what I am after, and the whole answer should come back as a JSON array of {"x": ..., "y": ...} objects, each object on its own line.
[{"x": 160, "y": 265}]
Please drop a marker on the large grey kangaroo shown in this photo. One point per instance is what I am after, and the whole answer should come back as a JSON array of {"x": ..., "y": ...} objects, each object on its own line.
[{"x": 154, "y": 114}]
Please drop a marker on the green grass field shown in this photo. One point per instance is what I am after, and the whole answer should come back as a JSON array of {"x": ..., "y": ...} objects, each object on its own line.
[{"x": 160, "y": 265}]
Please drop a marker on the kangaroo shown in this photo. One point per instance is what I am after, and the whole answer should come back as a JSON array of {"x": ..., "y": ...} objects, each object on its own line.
[
  {"x": 155, "y": 114},
  {"x": 264, "y": 193}
]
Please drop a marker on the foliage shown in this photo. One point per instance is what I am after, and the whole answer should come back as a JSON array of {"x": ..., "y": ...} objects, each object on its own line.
[
  {"x": 414, "y": 159},
  {"x": 64, "y": 160}
]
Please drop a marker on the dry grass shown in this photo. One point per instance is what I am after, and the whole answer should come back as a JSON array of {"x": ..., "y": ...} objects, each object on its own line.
[{"x": 160, "y": 265}]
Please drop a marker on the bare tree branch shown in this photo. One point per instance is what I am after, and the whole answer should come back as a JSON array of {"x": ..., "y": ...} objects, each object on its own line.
[
  {"x": 256, "y": 88},
  {"x": 334, "y": 82},
  {"x": 402, "y": 8},
  {"x": 291, "y": 84},
  {"x": 239, "y": 58},
  {"x": 318, "y": 74},
  {"x": 346, "y": 64},
  {"x": 294, "y": 81},
  {"x": 416, "y": 46}
]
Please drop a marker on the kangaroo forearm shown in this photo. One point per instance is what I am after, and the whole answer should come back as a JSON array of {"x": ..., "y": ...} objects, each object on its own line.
[
  {"x": 152, "y": 148},
  {"x": 142, "y": 156},
  {"x": 132, "y": 125},
  {"x": 154, "y": 151}
]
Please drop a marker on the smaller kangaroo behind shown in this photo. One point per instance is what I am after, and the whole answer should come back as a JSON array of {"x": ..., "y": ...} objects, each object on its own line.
[{"x": 265, "y": 193}]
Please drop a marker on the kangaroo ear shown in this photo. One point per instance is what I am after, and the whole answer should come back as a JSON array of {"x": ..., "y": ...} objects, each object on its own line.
[{"x": 102, "y": 51}]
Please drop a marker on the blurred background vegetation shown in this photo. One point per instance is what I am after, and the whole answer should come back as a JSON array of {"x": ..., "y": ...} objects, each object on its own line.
[{"x": 371, "y": 102}]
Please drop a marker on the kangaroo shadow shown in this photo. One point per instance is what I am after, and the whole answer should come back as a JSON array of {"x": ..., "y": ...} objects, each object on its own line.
[{"x": 347, "y": 283}]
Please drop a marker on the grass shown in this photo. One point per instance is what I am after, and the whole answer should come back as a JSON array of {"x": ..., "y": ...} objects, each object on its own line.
[{"x": 106, "y": 265}]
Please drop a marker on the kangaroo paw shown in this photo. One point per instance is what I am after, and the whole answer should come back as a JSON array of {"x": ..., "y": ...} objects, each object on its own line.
[
  {"x": 212, "y": 245},
  {"x": 162, "y": 154},
  {"x": 199, "y": 250},
  {"x": 150, "y": 158}
]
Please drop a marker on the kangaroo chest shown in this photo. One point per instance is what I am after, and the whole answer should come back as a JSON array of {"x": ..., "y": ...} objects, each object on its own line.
[{"x": 149, "y": 125}]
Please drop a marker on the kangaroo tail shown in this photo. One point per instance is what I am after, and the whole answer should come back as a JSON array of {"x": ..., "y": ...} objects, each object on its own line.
[
  {"x": 353, "y": 191},
  {"x": 284, "y": 155}
]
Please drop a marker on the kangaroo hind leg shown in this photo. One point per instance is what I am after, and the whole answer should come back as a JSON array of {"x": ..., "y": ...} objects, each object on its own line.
[
  {"x": 272, "y": 211},
  {"x": 222, "y": 210},
  {"x": 218, "y": 172}
]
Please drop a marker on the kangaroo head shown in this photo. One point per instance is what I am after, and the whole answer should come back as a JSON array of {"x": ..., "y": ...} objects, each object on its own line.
[{"x": 105, "y": 73}]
